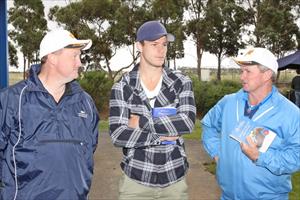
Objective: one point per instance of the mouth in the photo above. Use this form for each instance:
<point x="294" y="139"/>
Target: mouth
<point x="244" y="83"/>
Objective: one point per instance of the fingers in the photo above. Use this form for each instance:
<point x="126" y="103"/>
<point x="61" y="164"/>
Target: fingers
<point x="250" y="149"/>
<point x="216" y="159"/>
<point x="168" y="138"/>
<point x="250" y="142"/>
<point x="133" y="121"/>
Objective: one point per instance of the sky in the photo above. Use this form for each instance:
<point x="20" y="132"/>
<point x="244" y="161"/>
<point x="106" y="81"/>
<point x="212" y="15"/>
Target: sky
<point x="122" y="55"/>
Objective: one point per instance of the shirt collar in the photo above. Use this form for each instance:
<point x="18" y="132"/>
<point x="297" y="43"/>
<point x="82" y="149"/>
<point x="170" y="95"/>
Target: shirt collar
<point x="269" y="96"/>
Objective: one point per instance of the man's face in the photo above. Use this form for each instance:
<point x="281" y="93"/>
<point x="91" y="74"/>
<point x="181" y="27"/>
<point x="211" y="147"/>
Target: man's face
<point x="154" y="52"/>
<point x="253" y="78"/>
<point x="68" y="63"/>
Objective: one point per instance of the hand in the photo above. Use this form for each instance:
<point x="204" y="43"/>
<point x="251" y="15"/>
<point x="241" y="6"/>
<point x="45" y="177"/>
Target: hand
<point x="168" y="138"/>
<point x="251" y="150"/>
<point x="133" y="121"/>
<point x="216" y="159"/>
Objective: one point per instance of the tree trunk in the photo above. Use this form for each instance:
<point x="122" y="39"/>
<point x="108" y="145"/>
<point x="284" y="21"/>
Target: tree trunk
<point x="219" y="68"/>
<point x="133" y="54"/>
<point x="199" y="58"/>
<point x="175" y="67"/>
<point x="24" y="67"/>
<point x="28" y="68"/>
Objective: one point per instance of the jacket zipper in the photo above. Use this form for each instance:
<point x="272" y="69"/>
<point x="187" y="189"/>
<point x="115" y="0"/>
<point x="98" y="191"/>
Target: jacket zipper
<point x="71" y="141"/>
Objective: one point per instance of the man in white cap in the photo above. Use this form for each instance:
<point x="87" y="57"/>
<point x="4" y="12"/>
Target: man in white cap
<point x="244" y="169"/>
<point x="150" y="109"/>
<point x="49" y="126"/>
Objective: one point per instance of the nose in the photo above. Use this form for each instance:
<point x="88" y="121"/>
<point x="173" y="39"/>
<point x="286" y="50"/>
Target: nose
<point x="242" y="75"/>
<point x="78" y="62"/>
<point x="161" y="48"/>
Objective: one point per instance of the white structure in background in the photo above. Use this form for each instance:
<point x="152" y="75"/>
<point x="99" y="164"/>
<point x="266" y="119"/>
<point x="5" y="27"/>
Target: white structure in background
<point x="205" y="74"/>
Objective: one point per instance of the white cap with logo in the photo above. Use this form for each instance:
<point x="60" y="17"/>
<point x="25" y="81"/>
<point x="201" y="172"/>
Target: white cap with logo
<point x="59" y="39"/>
<point x="260" y="56"/>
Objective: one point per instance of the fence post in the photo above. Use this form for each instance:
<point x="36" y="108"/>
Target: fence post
<point x="3" y="45"/>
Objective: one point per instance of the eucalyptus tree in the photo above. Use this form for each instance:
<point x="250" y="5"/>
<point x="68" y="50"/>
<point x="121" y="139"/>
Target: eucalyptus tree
<point x="196" y="28"/>
<point x="12" y="55"/>
<point x="275" y="24"/>
<point x="109" y="23"/>
<point x="29" y="26"/>
<point x="89" y="19"/>
<point x="224" y="25"/>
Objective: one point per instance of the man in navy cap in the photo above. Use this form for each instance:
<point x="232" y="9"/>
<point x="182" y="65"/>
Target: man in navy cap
<point x="150" y="109"/>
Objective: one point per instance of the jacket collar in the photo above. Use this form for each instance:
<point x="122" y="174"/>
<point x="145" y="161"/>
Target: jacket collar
<point x="34" y="83"/>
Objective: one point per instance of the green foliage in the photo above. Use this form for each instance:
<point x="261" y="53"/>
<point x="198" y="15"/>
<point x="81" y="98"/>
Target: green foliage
<point x="27" y="18"/>
<point x="88" y="21"/>
<point x="295" y="194"/>
<point x="13" y="57"/>
<point x="225" y="20"/>
<point x="207" y="94"/>
<point x="196" y="28"/>
<point x="276" y="26"/>
<point x="103" y="125"/>
<point x="98" y="85"/>
<point x="210" y="167"/>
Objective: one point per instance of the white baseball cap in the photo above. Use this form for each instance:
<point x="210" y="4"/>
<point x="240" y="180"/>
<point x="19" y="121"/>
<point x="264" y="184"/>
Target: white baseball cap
<point x="59" y="39"/>
<point x="260" y="56"/>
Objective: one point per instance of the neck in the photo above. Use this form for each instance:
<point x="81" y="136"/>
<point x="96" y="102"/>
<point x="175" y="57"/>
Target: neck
<point x="150" y="76"/>
<point x="255" y="98"/>
<point x="54" y="87"/>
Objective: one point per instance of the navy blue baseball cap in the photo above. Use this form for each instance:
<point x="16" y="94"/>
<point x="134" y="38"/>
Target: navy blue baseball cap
<point x="153" y="30"/>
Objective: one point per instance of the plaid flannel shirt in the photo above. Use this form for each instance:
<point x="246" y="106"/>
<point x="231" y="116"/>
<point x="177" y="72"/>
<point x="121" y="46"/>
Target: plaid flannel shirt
<point x="145" y="159"/>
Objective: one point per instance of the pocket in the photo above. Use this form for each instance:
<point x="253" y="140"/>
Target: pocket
<point x="58" y="158"/>
<point x="62" y="147"/>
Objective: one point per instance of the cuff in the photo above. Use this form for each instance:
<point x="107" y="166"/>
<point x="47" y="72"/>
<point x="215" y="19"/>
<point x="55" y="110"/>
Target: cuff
<point x="156" y="140"/>
<point x="276" y="143"/>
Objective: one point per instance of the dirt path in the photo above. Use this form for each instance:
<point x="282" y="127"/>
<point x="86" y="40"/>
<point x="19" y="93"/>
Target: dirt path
<point x="202" y="185"/>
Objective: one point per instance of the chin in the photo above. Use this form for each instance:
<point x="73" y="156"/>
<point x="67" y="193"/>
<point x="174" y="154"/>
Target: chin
<point x="245" y="89"/>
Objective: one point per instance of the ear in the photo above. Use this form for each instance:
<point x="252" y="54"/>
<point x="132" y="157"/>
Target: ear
<point x="268" y="74"/>
<point x="139" y="46"/>
<point x="52" y="58"/>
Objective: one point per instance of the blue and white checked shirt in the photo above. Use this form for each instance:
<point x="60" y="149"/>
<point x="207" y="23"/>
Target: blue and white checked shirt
<point x="145" y="159"/>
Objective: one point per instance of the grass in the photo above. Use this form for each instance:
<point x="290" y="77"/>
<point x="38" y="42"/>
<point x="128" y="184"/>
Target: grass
<point x="15" y="77"/>
<point x="295" y="194"/>
<point x="196" y="134"/>
<point x="103" y="125"/>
